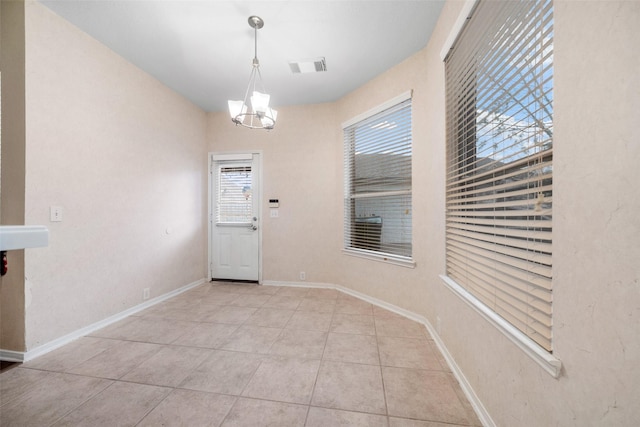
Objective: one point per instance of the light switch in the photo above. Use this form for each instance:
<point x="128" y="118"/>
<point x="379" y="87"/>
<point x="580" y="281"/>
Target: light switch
<point x="55" y="213"/>
<point x="274" y="213"/>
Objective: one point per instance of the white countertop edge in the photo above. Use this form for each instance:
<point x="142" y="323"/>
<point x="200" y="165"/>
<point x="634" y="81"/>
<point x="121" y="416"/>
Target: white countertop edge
<point x="23" y="237"/>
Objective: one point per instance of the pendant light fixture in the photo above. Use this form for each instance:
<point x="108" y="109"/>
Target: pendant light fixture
<point x="255" y="114"/>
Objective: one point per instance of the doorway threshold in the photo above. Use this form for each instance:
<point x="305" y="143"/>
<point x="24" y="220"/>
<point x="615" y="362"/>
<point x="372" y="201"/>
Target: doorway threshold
<point x="253" y="282"/>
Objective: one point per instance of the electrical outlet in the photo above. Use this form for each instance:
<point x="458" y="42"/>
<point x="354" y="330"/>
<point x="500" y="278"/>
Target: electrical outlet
<point x="146" y="293"/>
<point x="303" y="275"/>
<point x="55" y="213"/>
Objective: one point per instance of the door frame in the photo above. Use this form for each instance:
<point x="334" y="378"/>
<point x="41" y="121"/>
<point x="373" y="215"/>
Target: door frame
<point x="210" y="200"/>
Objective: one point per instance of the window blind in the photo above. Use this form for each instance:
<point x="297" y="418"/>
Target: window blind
<point x="499" y="95"/>
<point x="377" y="158"/>
<point x="234" y="190"/>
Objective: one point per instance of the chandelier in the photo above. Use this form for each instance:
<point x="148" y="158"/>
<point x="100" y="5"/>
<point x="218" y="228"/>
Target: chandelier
<point x="260" y="115"/>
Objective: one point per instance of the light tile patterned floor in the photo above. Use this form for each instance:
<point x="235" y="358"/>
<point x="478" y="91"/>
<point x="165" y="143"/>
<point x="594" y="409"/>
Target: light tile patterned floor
<point x="228" y="354"/>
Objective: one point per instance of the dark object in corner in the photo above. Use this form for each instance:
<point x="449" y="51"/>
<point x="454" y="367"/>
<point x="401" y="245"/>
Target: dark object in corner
<point x="4" y="267"/>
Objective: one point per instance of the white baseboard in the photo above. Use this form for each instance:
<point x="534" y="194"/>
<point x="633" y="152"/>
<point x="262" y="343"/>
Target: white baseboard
<point x="21" y="356"/>
<point x="298" y="284"/>
<point x="11" y="356"/>
<point x="477" y="405"/>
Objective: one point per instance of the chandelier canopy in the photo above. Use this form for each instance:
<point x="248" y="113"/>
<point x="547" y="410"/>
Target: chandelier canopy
<point x="260" y="115"/>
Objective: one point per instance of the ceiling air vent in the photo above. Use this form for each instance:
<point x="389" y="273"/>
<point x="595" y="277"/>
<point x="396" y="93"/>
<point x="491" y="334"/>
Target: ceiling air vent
<point x="315" y="65"/>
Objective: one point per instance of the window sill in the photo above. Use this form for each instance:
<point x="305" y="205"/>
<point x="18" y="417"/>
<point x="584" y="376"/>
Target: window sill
<point x="385" y="258"/>
<point x="551" y="364"/>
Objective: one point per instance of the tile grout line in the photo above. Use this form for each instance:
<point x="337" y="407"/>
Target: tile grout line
<point x="384" y="391"/>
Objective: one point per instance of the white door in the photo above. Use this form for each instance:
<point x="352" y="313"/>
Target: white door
<point x="234" y="239"/>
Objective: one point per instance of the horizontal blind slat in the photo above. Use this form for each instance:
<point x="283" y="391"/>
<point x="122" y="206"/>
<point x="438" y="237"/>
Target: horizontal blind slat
<point x="504" y="304"/>
<point x="488" y="232"/>
<point x="493" y="169"/>
<point x="529" y="250"/>
<point x="532" y="323"/>
<point x="535" y="266"/>
<point x="465" y="203"/>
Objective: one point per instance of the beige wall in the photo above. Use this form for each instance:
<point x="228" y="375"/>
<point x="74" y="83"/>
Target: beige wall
<point x="120" y="152"/>
<point x="12" y="202"/>
<point x="398" y="285"/>
<point x="125" y="158"/>
<point x="596" y="221"/>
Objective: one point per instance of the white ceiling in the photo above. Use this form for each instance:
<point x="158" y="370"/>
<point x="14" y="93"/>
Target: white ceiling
<point x="203" y="48"/>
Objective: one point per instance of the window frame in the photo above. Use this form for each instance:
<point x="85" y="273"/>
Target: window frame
<point x="348" y="218"/>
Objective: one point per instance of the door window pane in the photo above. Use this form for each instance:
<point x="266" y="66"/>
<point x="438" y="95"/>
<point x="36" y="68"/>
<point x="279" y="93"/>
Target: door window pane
<point x="234" y="194"/>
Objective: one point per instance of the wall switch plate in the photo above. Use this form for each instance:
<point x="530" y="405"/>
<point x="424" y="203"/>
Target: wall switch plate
<point x="55" y="213"/>
<point x="146" y="293"/>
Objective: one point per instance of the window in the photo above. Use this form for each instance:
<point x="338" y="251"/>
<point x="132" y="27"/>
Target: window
<point x="377" y="158"/>
<point x="234" y="203"/>
<point x="499" y="95"/>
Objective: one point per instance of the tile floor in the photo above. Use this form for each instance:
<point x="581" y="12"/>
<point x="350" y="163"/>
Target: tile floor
<point x="228" y="354"/>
